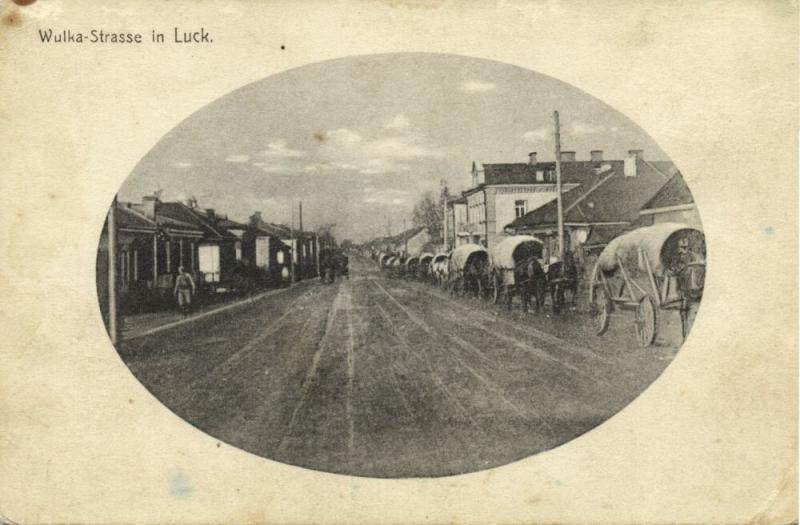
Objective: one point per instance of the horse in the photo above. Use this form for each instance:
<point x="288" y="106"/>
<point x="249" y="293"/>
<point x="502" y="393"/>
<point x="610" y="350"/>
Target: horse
<point x="535" y="284"/>
<point x="476" y="275"/>
<point x="562" y="276"/>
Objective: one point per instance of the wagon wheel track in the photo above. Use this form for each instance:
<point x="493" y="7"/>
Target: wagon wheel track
<point x="406" y="347"/>
<point x="236" y="359"/>
<point x="552" y="340"/>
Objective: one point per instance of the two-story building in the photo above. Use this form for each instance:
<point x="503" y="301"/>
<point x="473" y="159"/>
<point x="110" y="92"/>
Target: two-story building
<point x="605" y="204"/>
<point x="501" y="193"/>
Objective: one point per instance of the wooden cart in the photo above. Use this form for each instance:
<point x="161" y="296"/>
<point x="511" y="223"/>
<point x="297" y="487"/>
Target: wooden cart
<point x="660" y="267"/>
<point x="507" y="259"/>
<point x="468" y="269"/>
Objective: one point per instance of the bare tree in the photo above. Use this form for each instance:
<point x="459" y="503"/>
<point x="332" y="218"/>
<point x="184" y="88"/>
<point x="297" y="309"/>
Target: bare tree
<point x="428" y="213"/>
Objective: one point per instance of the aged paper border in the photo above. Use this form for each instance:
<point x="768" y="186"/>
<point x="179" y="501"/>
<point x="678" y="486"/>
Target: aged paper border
<point x="712" y="441"/>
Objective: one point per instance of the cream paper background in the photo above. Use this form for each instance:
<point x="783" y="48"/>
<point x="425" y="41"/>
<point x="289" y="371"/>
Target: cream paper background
<point x="713" y="440"/>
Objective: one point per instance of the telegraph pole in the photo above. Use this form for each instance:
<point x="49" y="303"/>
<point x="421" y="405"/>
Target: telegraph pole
<point x="405" y="238"/>
<point x="444" y="216"/>
<point x="301" y="253"/>
<point x="113" y="328"/>
<point x="294" y="246"/>
<point x="558" y="188"/>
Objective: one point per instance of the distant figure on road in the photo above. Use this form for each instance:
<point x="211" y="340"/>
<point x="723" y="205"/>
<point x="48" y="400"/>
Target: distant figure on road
<point x="184" y="290"/>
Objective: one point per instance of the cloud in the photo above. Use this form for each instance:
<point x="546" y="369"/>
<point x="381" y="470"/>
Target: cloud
<point x="346" y="149"/>
<point x="398" y="122"/>
<point x="277" y="158"/>
<point x="536" y="135"/>
<point x="280" y="149"/>
<point x="578" y="128"/>
<point x="183" y="165"/>
<point x="280" y="168"/>
<point x="391" y="197"/>
<point x="476" y="86"/>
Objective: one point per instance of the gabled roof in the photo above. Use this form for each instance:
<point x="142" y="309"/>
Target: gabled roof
<point x="130" y="219"/>
<point x="456" y="199"/>
<point x="674" y="193"/>
<point x="281" y="231"/>
<point x="231" y="225"/>
<point x="610" y="197"/>
<point x="408" y="234"/>
<point x="177" y="211"/>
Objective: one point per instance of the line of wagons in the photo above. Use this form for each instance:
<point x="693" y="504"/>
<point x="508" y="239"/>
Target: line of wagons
<point x="653" y="268"/>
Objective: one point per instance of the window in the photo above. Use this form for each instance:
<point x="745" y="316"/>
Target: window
<point x="520" y="208"/>
<point x="238" y="247"/>
<point x="279" y="257"/>
<point x="208" y="256"/>
<point x="262" y="252"/>
<point x="539" y="175"/>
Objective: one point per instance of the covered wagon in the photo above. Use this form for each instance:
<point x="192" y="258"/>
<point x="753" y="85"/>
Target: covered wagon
<point x="424" y="266"/>
<point x="659" y="267"/>
<point x="387" y="261"/>
<point x="411" y="265"/>
<point x="511" y="265"/>
<point x="439" y="268"/>
<point x="468" y="269"/>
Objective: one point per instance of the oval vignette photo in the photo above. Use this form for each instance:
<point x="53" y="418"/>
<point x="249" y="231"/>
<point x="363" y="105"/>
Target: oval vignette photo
<point x="401" y="265"/>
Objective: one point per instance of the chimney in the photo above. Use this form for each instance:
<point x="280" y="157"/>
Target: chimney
<point x="567" y="156"/>
<point x="255" y="218"/>
<point x="630" y="162"/>
<point x="638" y="153"/>
<point x="210" y="213"/>
<point x="532" y="157"/>
<point x="150" y="206"/>
<point x="596" y="155"/>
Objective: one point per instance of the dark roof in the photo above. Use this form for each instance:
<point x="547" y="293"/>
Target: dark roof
<point x="457" y="199"/>
<point x="408" y="234"/>
<point x="281" y="231"/>
<point x="130" y="219"/>
<point x="525" y="173"/>
<point x="231" y="225"/>
<point x="674" y="193"/>
<point x="177" y="211"/>
<point x="608" y="197"/>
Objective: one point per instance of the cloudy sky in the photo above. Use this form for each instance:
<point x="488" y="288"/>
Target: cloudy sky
<point x="359" y="139"/>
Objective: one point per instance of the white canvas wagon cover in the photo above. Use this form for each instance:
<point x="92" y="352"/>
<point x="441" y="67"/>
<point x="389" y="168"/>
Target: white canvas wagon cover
<point x="425" y="258"/>
<point x="658" y="243"/>
<point x="502" y="254"/>
<point x="460" y="256"/>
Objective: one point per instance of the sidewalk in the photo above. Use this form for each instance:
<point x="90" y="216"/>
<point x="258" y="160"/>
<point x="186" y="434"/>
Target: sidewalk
<point x="140" y="325"/>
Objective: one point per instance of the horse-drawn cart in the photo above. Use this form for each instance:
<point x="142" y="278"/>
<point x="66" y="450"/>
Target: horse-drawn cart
<point x="468" y="269"/>
<point x="424" y="266"/>
<point x="410" y="267"/>
<point x="439" y="266"/>
<point x="660" y="267"/>
<point x="511" y="262"/>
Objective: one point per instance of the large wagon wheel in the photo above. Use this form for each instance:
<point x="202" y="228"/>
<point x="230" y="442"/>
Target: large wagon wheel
<point x="496" y="288"/>
<point x="600" y="311"/>
<point x="646" y="321"/>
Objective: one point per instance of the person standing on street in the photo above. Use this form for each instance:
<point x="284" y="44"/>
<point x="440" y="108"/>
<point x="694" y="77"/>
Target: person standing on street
<point x="184" y="290"/>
